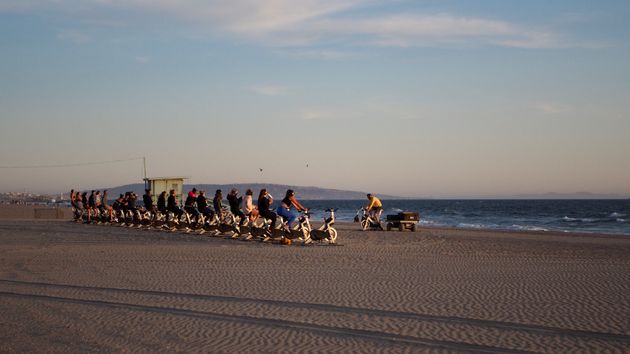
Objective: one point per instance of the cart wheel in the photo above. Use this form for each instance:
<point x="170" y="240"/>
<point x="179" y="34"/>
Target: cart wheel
<point x="401" y="227"/>
<point x="413" y="227"/>
<point x="389" y="226"/>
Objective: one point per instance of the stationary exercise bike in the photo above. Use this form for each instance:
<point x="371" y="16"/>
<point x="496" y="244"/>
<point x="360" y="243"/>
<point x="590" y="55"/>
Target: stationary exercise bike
<point x="368" y="222"/>
<point x="325" y="232"/>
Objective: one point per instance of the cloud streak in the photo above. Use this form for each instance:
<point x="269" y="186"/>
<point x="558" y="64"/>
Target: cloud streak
<point x="269" y="90"/>
<point x="74" y="36"/>
<point x="309" y="22"/>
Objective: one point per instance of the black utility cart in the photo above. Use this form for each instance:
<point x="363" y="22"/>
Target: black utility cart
<point x="403" y="220"/>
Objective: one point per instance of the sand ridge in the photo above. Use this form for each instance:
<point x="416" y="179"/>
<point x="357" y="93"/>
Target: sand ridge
<point x="107" y="288"/>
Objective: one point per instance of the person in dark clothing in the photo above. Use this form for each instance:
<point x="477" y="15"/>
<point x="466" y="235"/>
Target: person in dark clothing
<point x="217" y="203"/>
<point x="161" y="203"/>
<point x="86" y="206"/>
<point x="264" y="203"/>
<point x="91" y="209"/>
<point x="147" y="199"/>
<point x="172" y="206"/>
<point x="131" y="202"/>
<point x="125" y="203"/>
<point x="190" y="204"/>
<point x="91" y="200"/>
<point x="235" y="205"/>
<point x="118" y="205"/>
<point x="202" y="205"/>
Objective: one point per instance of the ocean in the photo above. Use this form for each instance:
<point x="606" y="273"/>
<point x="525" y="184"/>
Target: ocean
<point x="587" y="216"/>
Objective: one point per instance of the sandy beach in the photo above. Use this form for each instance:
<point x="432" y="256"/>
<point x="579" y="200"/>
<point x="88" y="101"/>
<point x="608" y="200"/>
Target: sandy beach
<point x="67" y="287"/>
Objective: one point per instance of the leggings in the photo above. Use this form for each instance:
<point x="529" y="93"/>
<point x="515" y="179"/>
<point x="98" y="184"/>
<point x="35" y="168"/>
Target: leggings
<point x="286" y="214"/>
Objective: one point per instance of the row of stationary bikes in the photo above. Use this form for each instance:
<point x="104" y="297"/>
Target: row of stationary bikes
<point x="228" y="225"/>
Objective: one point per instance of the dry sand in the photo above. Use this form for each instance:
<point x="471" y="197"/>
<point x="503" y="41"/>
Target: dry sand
<point x="67" y="287"/>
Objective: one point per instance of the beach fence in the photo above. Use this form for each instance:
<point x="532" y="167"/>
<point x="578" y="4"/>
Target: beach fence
<point x="22" y="212"/>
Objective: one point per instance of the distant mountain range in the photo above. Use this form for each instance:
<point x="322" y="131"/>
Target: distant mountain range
<point x="276" y="190"/>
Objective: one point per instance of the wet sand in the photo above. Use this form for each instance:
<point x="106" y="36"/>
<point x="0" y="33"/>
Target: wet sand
<point x="68" y="287"/>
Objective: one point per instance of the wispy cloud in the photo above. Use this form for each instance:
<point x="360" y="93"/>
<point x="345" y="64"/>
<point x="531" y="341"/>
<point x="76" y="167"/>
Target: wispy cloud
<point x="552" y="107"/>
<point x="317" y="115"/>
<point x="142" y="59"/>
<point x="308" y="22"/>
<point x="74" y="36"/>
<point x="319" y="54"/>
<point x="270" y="90"/>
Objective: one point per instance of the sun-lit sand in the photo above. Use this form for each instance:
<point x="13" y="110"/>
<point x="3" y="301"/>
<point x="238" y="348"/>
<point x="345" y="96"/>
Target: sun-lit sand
<point x="71" y="287"/>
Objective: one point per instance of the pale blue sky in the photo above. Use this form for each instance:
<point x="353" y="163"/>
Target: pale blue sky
<point x="419" y="98"/>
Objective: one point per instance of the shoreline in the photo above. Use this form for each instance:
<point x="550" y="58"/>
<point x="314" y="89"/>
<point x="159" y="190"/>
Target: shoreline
<point x="350" y="225"/>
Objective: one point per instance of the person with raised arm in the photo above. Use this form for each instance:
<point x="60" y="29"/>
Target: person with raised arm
<point x="264" y="203"/>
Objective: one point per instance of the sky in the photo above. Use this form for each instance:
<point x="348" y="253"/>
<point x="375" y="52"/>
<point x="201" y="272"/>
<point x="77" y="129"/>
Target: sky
<point x="439" y="99"/>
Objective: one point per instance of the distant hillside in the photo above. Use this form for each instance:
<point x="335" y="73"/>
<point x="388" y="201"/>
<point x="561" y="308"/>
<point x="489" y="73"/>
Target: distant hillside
<point x="276" y="190"/>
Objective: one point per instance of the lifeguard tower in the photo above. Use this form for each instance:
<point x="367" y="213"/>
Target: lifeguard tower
<point x="158" y="185"/>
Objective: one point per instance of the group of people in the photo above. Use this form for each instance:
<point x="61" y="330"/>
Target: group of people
<point x="197" y="203"/>
<point x="91" y="205"/>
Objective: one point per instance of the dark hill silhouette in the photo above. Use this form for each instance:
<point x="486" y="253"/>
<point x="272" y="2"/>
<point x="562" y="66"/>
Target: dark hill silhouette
<point x="276" y="190"/>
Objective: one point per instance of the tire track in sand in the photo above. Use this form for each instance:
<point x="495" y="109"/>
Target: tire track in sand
<point x="239" y="308"/>
<point x="334" y="331"/>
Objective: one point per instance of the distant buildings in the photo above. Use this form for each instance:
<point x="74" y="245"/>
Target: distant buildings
<point x="21" y="198"/>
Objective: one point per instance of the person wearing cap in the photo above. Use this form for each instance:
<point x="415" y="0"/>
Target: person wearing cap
<point x="190" y="204"/>
<point x="374" y="207"/>
<point x="284" y="209"/>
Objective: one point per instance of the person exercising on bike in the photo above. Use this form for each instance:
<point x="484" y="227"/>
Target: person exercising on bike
<point x="374" y="208"/>
<point x="284" y="209"/>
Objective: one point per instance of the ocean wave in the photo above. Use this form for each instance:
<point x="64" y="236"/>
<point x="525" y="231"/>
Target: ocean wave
<point x="621" y="220"/>
<point x="616" y="215"/>
<point x="584" y="220"/>
<point x="464" y="225"/>
<point x="528" y="228"/>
